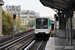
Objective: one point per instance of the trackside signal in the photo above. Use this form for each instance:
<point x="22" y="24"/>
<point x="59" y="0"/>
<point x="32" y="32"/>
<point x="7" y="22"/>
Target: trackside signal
<point x="56" y="17"/>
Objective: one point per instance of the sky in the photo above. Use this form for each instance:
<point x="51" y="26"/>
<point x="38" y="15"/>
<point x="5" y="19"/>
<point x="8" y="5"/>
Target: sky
<point x="34" y="5"/>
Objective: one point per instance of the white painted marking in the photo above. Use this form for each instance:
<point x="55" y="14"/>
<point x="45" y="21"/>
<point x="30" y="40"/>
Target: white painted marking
<point x="29" y="46"/>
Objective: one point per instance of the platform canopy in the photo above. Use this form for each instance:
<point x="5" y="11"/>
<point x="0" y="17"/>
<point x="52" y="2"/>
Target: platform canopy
<point x="61" y="5"/>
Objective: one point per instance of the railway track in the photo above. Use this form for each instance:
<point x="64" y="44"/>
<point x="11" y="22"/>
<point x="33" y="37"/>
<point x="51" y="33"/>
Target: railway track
<point x="36" y="45"/>
<point x="18" y="43"/>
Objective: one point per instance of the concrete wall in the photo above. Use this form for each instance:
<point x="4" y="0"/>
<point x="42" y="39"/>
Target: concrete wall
<point x="0" y="20"/>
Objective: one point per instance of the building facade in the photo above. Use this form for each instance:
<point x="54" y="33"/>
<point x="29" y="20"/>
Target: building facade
<point x="13" y="10"/>
<point x="27" y="15"/>
<point x="37" y="14"/>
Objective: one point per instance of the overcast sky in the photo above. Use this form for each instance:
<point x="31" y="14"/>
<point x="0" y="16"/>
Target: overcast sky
<point x="34" y="5"/>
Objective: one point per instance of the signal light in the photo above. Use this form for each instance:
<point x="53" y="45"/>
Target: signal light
<point x="14" y="16"/>
<point x="55" y="16"/>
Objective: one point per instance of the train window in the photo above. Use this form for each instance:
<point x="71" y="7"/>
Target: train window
<point x="38" y="21"/>
<point x="41" y="23"/>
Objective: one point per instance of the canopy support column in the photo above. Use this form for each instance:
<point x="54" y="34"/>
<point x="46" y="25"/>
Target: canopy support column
<point x="67" y="32"/>
<point x="71" y="29"/>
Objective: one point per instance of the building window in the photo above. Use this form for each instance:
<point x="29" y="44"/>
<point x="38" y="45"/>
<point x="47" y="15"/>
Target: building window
<point x="15" y="12"/>
<point x="32" y="17"/>
<point x="25" y="16"/>
<point x="6" y="6"/>
<point x="13" y="9"/>
<point x="10" y="7"/>
<point x="19" y="13"/>
<point x="16" y="7"/>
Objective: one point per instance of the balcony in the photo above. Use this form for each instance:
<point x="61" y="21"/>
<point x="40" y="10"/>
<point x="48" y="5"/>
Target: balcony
<point x="1" y="2"/>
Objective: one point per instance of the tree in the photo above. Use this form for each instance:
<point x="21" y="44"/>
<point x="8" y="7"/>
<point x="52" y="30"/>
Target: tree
<point x="30" y="23"/>
<point x="23" y="28"/>
<point x="7" y="23"/>
<point x="18" y="21"/>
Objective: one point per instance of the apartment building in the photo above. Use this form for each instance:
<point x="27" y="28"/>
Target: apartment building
<point x="13" y="9"/>
<point x="27" y="15"/>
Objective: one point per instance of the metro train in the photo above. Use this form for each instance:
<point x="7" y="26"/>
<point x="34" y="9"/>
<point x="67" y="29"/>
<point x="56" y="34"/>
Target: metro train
<point x="42" y="28"/>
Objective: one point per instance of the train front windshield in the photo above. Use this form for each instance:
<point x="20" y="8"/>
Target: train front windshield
<point x="41" y="23"/>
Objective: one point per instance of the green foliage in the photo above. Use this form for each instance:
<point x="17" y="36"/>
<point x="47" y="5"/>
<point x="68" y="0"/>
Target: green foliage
<point x="3" y="12"/>
<point x="30" y="23"/>
<point x="7" y="23"/>
<point x="18" y="21"/>
<point x="23" y="28"/>
<point x="7" y="26"/>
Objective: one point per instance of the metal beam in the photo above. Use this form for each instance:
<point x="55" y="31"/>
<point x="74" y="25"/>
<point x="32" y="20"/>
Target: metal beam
<point x="60" y="3"/>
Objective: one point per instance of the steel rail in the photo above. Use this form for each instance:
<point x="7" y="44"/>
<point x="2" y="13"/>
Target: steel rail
<point x="25" y="44"/>
<point x="36" y="45"/>
<point x="14" y="41"/>
<point x="40" y="45"/>
<point x="18" y="42"/>
<point x="29" y="46"/>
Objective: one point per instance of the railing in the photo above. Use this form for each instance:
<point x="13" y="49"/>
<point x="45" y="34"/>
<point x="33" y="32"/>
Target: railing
<point x="23" y="35"/>
<point x="9" y="37"/>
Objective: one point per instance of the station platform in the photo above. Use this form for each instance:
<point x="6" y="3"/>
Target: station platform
<point x="56" y="43"/>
